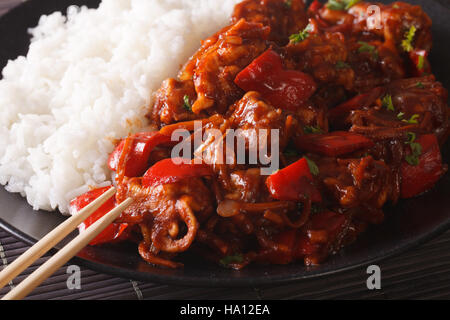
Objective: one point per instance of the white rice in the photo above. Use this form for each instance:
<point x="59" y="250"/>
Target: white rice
<point x="87" y="79"/>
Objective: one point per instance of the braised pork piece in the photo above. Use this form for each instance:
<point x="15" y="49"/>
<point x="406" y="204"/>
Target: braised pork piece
<point x="361" y="121"/>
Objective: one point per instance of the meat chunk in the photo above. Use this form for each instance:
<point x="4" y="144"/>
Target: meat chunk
<point x="339" y="61"/>
<point x="426" y="98"/>
<point x="415" y="104"/>
<point x="374" y="64"/>
<point x="283" y="17"/>
<point x="251" y="134"/>
<point x="168" y="216"/>
<point x="321" y="55"/>
<point x="356" y="183"/>
<point x="246" y="186"/>
<point x="151" y="202"/>
<point x="214" y="67"/>
<point x="173" y="102"/>
<point x="383" y="51"/>
<point x="253" y="113"/>
<point x="396" y="19"/>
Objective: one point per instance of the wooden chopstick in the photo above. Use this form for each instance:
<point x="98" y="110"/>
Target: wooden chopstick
<point x="65" y="254"/>
<point x="51" y="239"/>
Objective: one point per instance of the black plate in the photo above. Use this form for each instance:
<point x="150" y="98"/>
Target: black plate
<point x="408" y="224"/>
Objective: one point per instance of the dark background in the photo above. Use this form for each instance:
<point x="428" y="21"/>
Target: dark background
<point x="421" y="273"/>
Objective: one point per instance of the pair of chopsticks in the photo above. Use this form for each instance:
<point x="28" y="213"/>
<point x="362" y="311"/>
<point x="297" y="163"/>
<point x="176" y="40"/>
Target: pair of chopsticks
<point x="63" y="255"/>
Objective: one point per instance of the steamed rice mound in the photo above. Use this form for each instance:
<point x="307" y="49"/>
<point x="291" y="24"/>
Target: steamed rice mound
<point x="88" y="79"/>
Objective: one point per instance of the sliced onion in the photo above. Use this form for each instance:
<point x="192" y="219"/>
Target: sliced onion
<point x="228" y="208"/>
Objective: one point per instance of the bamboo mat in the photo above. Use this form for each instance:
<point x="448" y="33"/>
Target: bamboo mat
<point x="421" y="273"/>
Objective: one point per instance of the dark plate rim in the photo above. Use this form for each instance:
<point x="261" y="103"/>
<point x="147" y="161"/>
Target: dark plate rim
<point x="234" y="282"/>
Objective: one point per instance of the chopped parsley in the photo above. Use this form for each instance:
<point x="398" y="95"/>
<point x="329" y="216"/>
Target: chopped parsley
<point x="302" y="35"/>
<point x="416" y="149"/>
<point x="420" y="85"/>
<point x="342" y="65"/>
<point x="365" y="47"/>
<point x="409" y="37"/>
<point x="420" y="63"/>
<point x="187" y="104"/>
<point x="411" y="137"/>
<point x="312" y="130"/>
<point x="413" y="119"/>
<point x="351" y="3"/>
<point x="288" y="3"/>
<point x="312" y="166"/>
<point x="387" y="102"/>
<point x="236" y="258"/>
<point x="341" y="4"/>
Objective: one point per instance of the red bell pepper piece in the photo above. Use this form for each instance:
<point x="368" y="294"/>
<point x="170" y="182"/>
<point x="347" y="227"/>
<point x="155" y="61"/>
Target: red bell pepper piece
<point x="293" y="182"/>
<point x="169" y="171"/>
<point x="420" y="62"/>
<point x="315" y="6"/>
<point x="113" y="232"/>
<point x="286" y="89"/>
<point x="333" y="144"/>
<point x="340" y="112"/>
<point x="345" y="108"/>
<point x="420" y="178"/>
<point x="137" y="160"/>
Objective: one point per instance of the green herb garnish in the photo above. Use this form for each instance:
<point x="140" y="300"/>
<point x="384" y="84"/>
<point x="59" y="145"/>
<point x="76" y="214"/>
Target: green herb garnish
<point x="351" y="3"/>
<point x="187" y="104"/>
<point x="341" y="4"/>
<point x="312" y="130"/>
<point x="411" y="137"/>
<point x="387" y="102"/>
<point x="409" y="37"/>
<point x="288" y="3"/>
<point x="302" y="35"/>
<point x="420" y="63"/>
<point x="236" y="258"/>
<point x="413" y="119"/>
<point x="342" y="65"/>
<point x="420" y="85"/>
<point x="416" y="149"/>
<point x="365" y="47"/>
<point x="312" y="166"/>
<point x="335" y="5"/>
